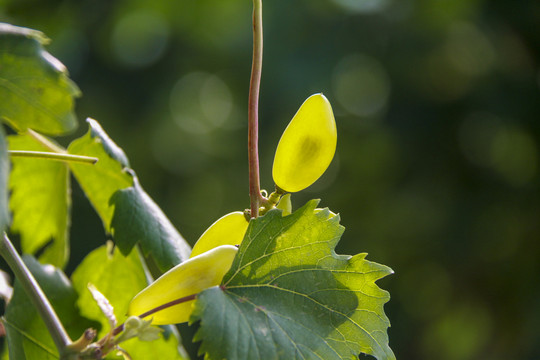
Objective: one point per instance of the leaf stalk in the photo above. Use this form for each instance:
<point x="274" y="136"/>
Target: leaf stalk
<point x="53" y="156"/>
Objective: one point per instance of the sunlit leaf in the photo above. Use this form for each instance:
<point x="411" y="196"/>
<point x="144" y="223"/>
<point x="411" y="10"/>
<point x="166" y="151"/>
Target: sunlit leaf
<point x="27" y="335"/>
<point x="119" y="279"/>
<point x="289" y="296"/>
<point x="137" y="219"/>
<point x="35" y="89"/>
<point x="40" y="201"/>
<point x="100" y="181"/>
<point x="4" y="176"/>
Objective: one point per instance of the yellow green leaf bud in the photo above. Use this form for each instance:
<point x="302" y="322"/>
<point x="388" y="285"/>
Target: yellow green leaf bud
<point x="285" y="205"/>
<point x="307" y="145"/>
<point x="227" y="230"/>
<point x="188" y="278"/>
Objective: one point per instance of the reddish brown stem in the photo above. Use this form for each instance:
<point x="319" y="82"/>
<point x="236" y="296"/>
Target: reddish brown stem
<point x="253" y="110"/>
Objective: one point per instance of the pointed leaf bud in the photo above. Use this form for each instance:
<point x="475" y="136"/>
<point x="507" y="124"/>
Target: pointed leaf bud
<point x="307" y="145"/>
<point x="227" y="230"/>
<point x="188" y="278"/>
<point x="285" y="205"/>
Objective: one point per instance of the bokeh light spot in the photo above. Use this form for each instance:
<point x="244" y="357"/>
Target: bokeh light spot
<point x="363" y="6"/>
<point x="200" y="102"/>
<point x="514" y="155"/>
<point x="469" y="50"/>
<point x="179" y="152"/>
<point x="139" y="39"/>
<point x="504" y="147"/>
<point x="361" y="85"/>
<point x="432" y="291"/>
<point x="459" y="334"/>
<point x="476" y="134"/>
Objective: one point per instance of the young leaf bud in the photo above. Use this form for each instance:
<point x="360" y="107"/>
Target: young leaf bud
<point x="307" y="145"/>
<point x="188" y="278"/>
<point x="227" y="230"/>
<point x="285" y="205"/>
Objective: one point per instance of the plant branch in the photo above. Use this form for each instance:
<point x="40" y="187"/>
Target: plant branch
<point x="54" y="156"/>
<point x="37" y="296"/>
<point x="253" y="110"/>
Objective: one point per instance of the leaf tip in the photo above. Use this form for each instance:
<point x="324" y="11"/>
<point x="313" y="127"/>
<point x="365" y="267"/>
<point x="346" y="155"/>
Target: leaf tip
<point x="110" y="147"/>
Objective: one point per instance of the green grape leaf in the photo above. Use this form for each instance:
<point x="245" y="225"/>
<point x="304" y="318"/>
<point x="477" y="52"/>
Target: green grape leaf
<point x="35" y="89"/>
<point x="100" y="181"/>
<point x="289" y="296"/>
<point x="27" y="335"/>
<point x="4" y="178"/>
<point x="40" y="202"/>
<point x="137" y="219"/>
<point x="119" y="279"/>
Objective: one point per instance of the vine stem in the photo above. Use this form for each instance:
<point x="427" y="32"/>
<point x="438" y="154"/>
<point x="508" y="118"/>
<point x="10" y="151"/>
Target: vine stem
<point x="253" y="111"/>
<point x="37" y="296"/>
<point x="53" y="156"/>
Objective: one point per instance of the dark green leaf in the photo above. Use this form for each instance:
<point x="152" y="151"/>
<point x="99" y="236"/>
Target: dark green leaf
<point x="137" y="219"/>
<point x="35" y="89"/>
<point x="119" y="279"/>
<point x="289" y="296"/>
<point x="40" y="202"/>
<point x="107" y="176"/>
<point x="27" y="335"/>
<point x="4" y="176"/>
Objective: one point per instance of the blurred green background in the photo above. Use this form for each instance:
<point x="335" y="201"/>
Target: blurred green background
<point x="437" y="169"/>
